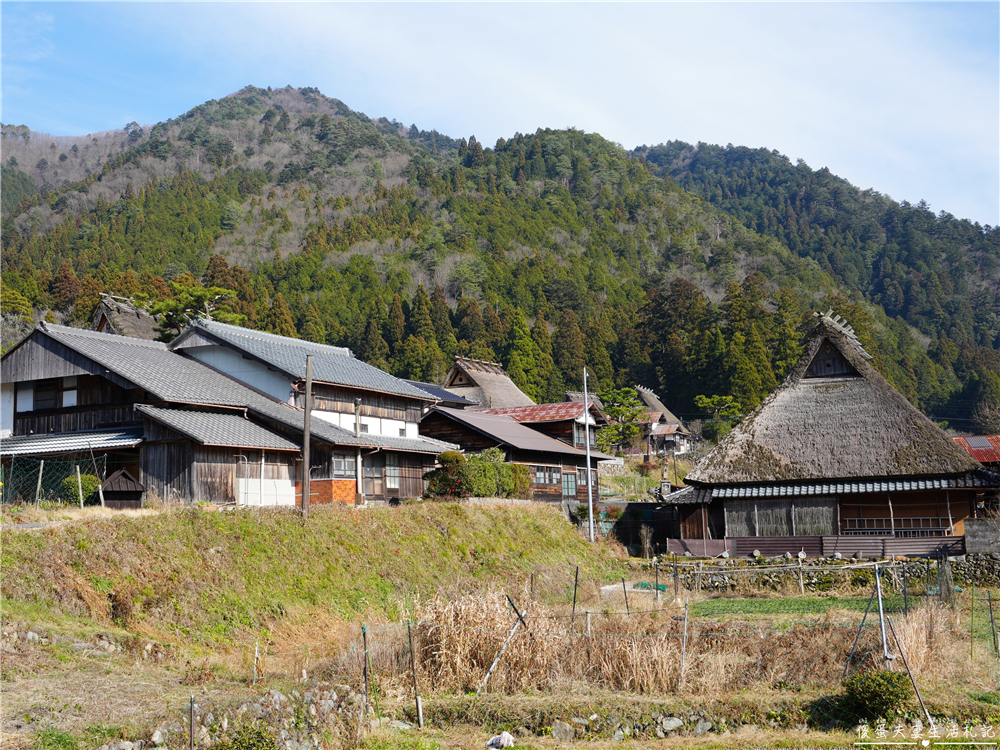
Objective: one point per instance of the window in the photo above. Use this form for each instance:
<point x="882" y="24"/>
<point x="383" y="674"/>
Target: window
<point x="46" y="394"/>
<point x="364" y="427"/>
<point x="402" y="432"/>
<point x="547" y="474"/>
<point x="343" y="466"/>
<point x="569" y="484"/>
<point x="581" y="477"/>
<point x="581" y="433"/>
<point x="392" y="471"/>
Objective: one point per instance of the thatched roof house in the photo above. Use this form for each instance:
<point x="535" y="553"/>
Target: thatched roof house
<point x="834" y="451"/>
<point x="122" y="317"/>
<point x="486" y="383"/>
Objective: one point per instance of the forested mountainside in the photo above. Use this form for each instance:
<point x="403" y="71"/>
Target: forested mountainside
<point x="543" y="252"/>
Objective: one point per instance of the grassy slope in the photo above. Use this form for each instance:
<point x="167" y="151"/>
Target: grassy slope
<point x="211" y="578"/>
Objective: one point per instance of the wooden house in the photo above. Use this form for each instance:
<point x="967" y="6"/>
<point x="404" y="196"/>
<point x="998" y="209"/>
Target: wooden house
<point x="834" y="460"/>
<point x="558" y="470"/>
<point x="486" y="383"/>
<point x="564" y="421"/>
<point x="216" y="415"/>
<point x="664" y="433"/>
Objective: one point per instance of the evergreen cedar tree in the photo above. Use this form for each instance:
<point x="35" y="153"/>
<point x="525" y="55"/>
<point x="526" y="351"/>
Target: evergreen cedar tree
<point x="569" y="251"/>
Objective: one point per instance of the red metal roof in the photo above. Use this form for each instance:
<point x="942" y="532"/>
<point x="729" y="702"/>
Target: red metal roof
<point x="984" y="448"/>
<point x="540" y="412"/>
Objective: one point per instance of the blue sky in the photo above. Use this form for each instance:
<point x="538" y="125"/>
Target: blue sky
<point x="900" y="97"/>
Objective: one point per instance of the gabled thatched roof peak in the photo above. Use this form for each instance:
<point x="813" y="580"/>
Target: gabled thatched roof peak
<point x="849" y="425"/>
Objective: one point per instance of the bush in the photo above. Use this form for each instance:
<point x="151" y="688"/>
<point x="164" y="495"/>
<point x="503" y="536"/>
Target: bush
<point x="878" y="694"/>
<point x="253" y="736"/>
<point x="446" y="482"/>
<point x="71" y="492"/>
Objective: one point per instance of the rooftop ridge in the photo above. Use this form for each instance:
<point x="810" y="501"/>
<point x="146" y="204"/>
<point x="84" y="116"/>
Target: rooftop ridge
<point x="841" y="325"/>
<point x="208" y="324"/>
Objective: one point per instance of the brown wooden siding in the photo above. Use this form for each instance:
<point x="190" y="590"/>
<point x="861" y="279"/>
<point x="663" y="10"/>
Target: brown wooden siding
<point x="332" y="398"/>
<point x="41" y="358"/>
<point x="440" y="427"/>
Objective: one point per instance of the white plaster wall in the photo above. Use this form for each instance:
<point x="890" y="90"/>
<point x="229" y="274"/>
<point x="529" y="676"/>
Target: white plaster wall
<point x="6" y="409"/>
<point x="245" y="370"/>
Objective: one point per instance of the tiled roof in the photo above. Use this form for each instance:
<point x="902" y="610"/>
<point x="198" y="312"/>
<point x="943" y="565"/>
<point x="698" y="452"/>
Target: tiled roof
<point x="541" y="412"/>
<point x="506" y="430"/>
<point x="984" y="448"/>
<point x="980" y="479"/>
<point x="218" y="429"/>
<point x="331" y="364"/>
<point x="171" y="377"/>
<point x="70" y="442"/>
<point x="440" y="394"/>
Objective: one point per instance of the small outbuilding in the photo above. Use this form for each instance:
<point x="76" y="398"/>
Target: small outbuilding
<point x="122" y="490"/>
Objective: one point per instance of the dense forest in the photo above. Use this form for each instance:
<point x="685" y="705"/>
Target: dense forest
<point x="691" y="270"/>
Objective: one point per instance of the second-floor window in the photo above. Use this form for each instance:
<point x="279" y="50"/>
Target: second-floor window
<point x="580" y="435"/>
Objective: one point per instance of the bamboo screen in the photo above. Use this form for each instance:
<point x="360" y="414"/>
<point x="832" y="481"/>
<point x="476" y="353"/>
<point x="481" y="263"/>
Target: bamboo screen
<point x="813" y="516"/>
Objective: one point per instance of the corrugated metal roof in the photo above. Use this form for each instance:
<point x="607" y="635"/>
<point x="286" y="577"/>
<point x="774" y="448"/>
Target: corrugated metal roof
<point x="70" y="442"/>
<point x="331" y="364"/>
<point x="559" y="412"/>
<point x="848" y="488"/>
<point x="218" y="429"/>
<point x="984" y="448"/>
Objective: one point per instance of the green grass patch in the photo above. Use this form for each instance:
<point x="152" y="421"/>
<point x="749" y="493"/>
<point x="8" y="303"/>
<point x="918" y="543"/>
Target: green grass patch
<point x="211" y="577"/>
<point x="51" y="738"/>
<point x="796" y="606"/>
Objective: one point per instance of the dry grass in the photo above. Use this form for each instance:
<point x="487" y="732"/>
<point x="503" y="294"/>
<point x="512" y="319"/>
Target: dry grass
<point x="15" y="515"/>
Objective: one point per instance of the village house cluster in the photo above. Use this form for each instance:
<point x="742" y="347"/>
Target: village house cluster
<point x="834" y="460"/>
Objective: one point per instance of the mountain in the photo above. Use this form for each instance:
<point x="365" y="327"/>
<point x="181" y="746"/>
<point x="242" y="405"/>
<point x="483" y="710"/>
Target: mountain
<point x="542" y="251"/>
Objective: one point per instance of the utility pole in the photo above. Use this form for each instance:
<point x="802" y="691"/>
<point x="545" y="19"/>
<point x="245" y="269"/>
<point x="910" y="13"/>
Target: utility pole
<point x="586" y="442"/>
<point x="307" y="437"/>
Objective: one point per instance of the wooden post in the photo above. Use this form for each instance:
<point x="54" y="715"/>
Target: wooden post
<point x="532" y="585"/>
<point x="576" y="581"/>
<point x="625" y="591"/>
<point x="684" y="643"/>
<point x="496" y="661"/>
<point x="906" y="595"/>
<point x="413" y="669"/>
<point x="892" y="517"/>
<point x="677" y="582"/>
<point x="100" y="490"/>
<point x="588" y="638"/>
<point x="701" y="565"/>
<point x="881" y="615"/>
<point x="656" y="582"/>
<point x="802" y="584"/>
<point x="191" y="724"/>
<point x="307" y="438"/>
<point x="79" y="485"/>
<point x="951" y="523"/>
<point x="38" y="489"/>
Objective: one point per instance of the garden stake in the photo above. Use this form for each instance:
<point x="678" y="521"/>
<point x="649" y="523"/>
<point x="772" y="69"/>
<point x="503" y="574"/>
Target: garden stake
<point x="684" y="644"/>
<point x="413" y="669"/>
<point x="364" y="670"/>
<point x="656" y="581"/>
<point x="497" y="660"/>
<point x="38" y="490"/>
<point x="858" y="636"/>
<point x="532" y="586"/>
<point x="972" y="624"/>
<point x="906" y="596"/>
<point x="677" y="585"/>
<point x="628" y="612"/>
<point x="881" y="616"/>
<point x="191" y="724"/>
<point x="576" y="580"/>
<point x="915" y="688"/>
<point x="993" y="625"/>
<point x="79" y="485"/>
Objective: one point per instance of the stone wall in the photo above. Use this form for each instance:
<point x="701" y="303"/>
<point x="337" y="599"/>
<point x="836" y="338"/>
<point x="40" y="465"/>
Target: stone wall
<point x="982" y="536"/>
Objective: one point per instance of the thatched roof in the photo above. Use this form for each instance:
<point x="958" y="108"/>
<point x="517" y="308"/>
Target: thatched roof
<point x="484" y="382"/>
<point x="653" y="403"/>
<point x="834" y="417"/>
<point x="120" y="316"/>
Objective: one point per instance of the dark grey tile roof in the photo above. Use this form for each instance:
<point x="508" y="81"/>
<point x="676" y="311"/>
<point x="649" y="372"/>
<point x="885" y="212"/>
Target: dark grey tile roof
<point x="978" y="479"/>
<point x="218" y="429"/>
<point x="505" y="430"/>
<point x="172" y="377"/>
<point x="70" y="442"/>
<point x="440" y="394"/>
<point x="331" y="364"/>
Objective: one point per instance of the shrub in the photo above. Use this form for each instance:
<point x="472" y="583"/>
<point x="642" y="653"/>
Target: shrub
<point x="71" y="492"/>
<point x="878" y="694"/>
<point x="253" y="736"/>
<point x="446" y="482"/>
<point x="646" y="468"/>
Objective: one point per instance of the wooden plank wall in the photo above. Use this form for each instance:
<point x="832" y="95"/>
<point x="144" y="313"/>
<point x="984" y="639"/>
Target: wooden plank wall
<point x="331" y="398"/>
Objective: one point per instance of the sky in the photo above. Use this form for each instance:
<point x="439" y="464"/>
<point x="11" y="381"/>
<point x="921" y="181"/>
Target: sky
<point x="896" y="96"/>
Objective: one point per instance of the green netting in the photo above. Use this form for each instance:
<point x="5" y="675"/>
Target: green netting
<point x="34" y="480"/>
